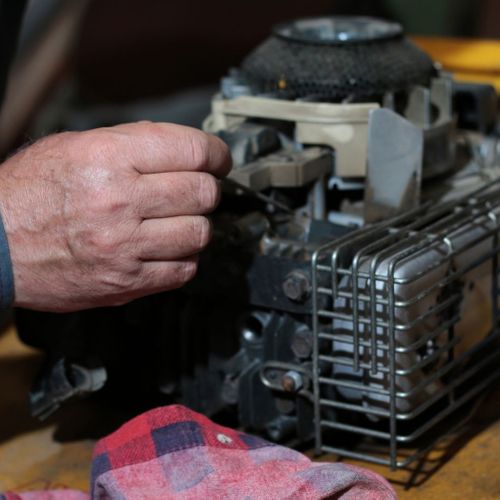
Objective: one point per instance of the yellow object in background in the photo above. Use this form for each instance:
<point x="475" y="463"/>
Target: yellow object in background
<point x="468" y="59"/>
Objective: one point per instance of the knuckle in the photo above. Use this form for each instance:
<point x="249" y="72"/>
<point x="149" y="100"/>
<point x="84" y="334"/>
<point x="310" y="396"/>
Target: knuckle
<point x="208" y="192"/>
<point x="111" y="280"/>
<point x="99" y="144"/>
<point x="145" y="122"/>
<point x="117" y="280"/>
<point x="147" y="128"/>
<point x="109" y="208"/>
<point x="101" y="244"/>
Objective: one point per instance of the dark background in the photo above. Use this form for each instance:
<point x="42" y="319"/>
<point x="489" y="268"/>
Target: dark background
<point x="131" y="48"/>
<point x="84" y="63"/>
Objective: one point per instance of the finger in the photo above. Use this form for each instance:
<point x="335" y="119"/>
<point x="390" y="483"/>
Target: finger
<point x="162" y="276"/>
<point x="165" y="147"/>
<point x="176" y="193"/>
<point x="172" y="238"/>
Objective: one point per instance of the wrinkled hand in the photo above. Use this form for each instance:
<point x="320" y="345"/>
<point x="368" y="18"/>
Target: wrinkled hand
<point x="105" y="216"/>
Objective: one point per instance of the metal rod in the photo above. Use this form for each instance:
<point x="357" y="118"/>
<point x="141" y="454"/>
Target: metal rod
<point x="260" y="196"/>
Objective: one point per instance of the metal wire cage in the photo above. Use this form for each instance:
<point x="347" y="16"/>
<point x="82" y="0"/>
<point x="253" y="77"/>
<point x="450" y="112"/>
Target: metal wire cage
<point x="405" y="320"/>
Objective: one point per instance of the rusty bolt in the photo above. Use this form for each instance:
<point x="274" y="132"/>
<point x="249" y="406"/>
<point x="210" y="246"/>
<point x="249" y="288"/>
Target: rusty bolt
<point x="296" y="286"/>
<point x="292" y="381"/>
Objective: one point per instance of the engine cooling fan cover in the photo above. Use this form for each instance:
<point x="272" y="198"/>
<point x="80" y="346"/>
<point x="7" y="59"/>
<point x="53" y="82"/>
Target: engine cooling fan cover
<point x="336" y="58"/>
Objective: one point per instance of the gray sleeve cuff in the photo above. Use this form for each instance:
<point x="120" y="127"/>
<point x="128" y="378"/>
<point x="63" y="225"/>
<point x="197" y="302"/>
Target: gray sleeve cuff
<point x="6" y="273"/>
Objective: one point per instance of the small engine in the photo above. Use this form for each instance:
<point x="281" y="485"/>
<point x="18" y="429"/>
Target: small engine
<point x="351" y="288"/>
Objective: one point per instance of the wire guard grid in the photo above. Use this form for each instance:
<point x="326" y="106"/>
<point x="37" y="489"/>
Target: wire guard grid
<point x="405" y="317"/>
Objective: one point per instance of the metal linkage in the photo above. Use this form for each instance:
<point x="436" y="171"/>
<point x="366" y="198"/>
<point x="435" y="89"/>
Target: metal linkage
<point x="394" y="353"/>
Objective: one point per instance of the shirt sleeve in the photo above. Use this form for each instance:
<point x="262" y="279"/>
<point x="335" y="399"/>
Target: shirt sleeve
<point x="6" y="272"/>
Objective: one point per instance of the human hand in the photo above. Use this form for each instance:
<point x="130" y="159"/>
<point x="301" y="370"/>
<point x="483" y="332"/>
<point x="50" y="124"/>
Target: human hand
<point x="101" y="217"/>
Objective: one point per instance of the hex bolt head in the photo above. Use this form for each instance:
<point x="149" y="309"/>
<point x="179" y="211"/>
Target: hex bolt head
<point x="302" y="344"/>
<point x="292" y="381"/>
<point x="297" y="286"/>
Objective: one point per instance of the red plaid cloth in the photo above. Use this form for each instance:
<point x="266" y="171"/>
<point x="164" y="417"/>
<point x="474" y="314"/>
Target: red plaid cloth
<point x="173" y="452"/>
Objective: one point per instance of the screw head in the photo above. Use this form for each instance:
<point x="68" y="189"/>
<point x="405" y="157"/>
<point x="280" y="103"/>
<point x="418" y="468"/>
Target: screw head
<point x="296" y="286"/>
<point x="302" y="344"/>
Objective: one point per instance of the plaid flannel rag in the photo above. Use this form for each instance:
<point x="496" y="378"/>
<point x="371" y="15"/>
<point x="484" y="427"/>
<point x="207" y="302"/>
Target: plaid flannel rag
<point x="173" y="452"/>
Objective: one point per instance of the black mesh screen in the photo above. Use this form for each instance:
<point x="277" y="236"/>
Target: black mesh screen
<point x="358" y="71"/>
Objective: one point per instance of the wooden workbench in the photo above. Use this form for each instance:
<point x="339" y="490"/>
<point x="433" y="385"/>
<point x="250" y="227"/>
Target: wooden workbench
<point x="57" y="453"/>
